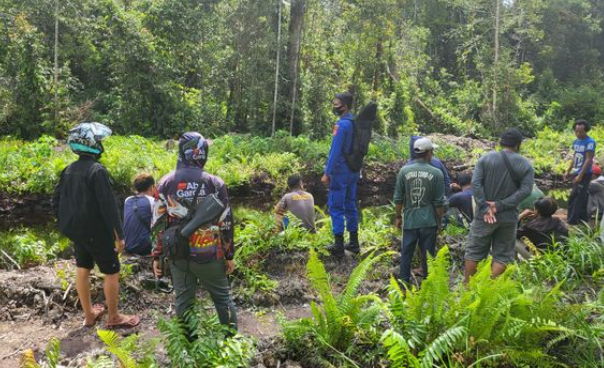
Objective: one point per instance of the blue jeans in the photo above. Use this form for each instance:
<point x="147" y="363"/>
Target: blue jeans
<point x="426" y="237"/>
<point x="342" y="202"/>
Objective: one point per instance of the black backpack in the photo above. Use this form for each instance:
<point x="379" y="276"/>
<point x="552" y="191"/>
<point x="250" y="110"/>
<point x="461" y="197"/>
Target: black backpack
<point x="363" y="127"/>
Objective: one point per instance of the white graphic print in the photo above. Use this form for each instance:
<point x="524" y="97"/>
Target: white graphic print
<point x="417" y="192"/>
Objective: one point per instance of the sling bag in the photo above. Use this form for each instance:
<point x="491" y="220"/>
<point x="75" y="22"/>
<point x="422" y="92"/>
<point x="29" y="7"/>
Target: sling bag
<point x="515" y="178"/>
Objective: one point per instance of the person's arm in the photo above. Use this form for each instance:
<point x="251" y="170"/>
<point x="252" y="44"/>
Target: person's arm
<point x="439" y="201"/>
<point x="589" y="156"/>
<point x="226" y="226"/>
<point x="446" y="177"/>
<point x="106" y="201"/>
<point x="526" y="187"/>
<point x="336" y="149"/>
<point x="399" y="199"/>
<point x="56" y="196"/>
<point x="478" y="189"/>
<point x="280" y="210"/>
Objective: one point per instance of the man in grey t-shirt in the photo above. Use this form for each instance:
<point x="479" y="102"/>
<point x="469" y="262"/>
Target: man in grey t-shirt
<point x="498" y="190"/>
<point x="297" y="202"/>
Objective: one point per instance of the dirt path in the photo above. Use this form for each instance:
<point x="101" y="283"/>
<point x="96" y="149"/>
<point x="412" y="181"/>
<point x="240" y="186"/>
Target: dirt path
<point x="80" y="343"/>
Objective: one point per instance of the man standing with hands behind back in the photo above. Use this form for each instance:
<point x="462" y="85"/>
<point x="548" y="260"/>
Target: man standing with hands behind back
<point x="341" y="180"/>
<point x="500" y="182"/>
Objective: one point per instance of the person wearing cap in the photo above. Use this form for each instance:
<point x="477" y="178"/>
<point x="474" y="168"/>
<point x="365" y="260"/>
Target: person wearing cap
<point x="500" y="182"/>
<point x="298" y="203"/>
<point x="419" y="197"/>
<point x="433" y="161"/>
<point x="87" y="213"/>
<point x="211" y="248"/>
<point x="580" y="172"/>
<point x="342" y="181"/>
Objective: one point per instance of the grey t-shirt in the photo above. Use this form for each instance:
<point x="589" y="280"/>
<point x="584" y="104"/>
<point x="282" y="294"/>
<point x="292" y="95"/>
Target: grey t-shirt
<point x="300" y="204"/>
<point x="492" y="182"/>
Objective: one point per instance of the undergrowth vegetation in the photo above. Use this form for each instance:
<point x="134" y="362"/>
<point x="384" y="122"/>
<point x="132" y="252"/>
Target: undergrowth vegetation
<point x="546" y="312"/>
<point x="34" y="167"/>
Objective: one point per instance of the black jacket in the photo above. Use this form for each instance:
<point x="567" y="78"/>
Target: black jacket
<point x="84" y="203"/>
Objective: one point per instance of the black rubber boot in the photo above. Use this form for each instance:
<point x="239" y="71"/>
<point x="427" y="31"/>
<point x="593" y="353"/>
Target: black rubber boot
<point x="353" y="243"/>
<point x="337" y="249"/>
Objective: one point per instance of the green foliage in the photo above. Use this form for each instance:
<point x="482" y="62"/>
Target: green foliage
<point x="53" y="354"/>
<point x="214" y="346"/>
<point x="340" y="322"/>
<point x="489" y="319"/>
<point x="30" y="247"/>
<point x="128" y="352"/>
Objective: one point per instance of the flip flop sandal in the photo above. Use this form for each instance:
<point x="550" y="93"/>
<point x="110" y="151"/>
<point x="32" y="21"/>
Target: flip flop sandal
<point x="100" y="308"/>
<point x="130" y="322"/>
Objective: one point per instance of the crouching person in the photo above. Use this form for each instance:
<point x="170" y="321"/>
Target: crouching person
<point x="208" y="259"/>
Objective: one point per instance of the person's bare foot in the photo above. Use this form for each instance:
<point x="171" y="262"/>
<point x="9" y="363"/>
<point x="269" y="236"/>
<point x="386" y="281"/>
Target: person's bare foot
<point x="123" y="320"/>
<point x="97" y="312"/>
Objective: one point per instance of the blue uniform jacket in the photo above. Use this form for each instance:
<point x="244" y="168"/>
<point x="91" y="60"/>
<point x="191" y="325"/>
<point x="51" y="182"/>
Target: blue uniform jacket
<point x="340" y="145"/>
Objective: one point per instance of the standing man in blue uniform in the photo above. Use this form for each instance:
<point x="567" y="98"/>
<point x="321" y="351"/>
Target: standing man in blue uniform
<point x="341" y="180"/>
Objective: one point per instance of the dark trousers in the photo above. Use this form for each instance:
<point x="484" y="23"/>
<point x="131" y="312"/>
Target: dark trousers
<point x="426" y="237"/>
<point x="577" y="202"/>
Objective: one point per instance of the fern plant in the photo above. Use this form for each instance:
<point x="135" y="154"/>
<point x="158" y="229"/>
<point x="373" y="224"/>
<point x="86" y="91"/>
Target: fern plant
<point x="493" y="320"/>
<point x="127" y="351"/>
<point x="200" y="341"/>
<point x="340" y="322"/>
<point x="53" y="354"/>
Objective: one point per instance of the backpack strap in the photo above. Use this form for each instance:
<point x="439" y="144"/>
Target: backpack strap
<point x="138" y="215"/>
<point x="515" y="178"/>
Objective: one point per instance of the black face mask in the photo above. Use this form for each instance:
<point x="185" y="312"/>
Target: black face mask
<point x="338" y="110"/>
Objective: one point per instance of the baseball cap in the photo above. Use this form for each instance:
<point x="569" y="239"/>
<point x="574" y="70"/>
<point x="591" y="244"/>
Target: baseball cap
<point x="423" y="145"/>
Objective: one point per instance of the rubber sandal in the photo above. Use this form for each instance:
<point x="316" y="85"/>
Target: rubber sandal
<point x="131" y="321"/>
<point x="100" y="308"/>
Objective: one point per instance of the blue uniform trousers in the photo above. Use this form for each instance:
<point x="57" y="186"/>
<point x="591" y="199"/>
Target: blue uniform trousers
<point x="342" y="202"/>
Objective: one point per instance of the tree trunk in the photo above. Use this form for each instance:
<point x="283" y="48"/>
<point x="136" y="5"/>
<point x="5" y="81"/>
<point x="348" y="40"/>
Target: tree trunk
<point x="496" y="60"/>
<point x="378" y="67"/>
<point x="277" y="71"/>
<point x="56" y="65"/>
<point x="296" y="20"/>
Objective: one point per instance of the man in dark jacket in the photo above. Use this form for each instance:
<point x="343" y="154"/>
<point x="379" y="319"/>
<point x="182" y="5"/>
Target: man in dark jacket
<point x="85" y="206"/>
<point x="341" y="180"/>
<point x="211" y="248"/>
<point x="498" y="190"/>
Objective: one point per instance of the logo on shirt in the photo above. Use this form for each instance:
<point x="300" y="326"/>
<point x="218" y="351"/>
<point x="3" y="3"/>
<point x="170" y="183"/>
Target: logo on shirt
<point x="187" y="190"/>
<point x="417" y="192"/>
<point x="335" y="130"/>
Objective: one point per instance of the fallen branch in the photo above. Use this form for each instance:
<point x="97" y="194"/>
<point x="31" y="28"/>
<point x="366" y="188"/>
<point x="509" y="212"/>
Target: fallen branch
<point x="18" y="351"/>
<point x="11" y="259"/>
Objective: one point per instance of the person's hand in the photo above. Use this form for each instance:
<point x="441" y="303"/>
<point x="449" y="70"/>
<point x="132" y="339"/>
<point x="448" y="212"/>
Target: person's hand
<point x="157" y="269"/>
<point x="492" y="207"/>
<point x="527" y="214"/>
<point x="230" y="266"/>
<point x="490" y="217"/>
<point x="120" y="244"/>
<point x="564" y="176"/>
<point x="398" y="223"/>
<point x="577" y="180"/>
<point x="325" y="179"/>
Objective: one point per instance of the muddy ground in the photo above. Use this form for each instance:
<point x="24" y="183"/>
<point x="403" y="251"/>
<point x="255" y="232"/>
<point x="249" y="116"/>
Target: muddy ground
<point x="40" y="303"/>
